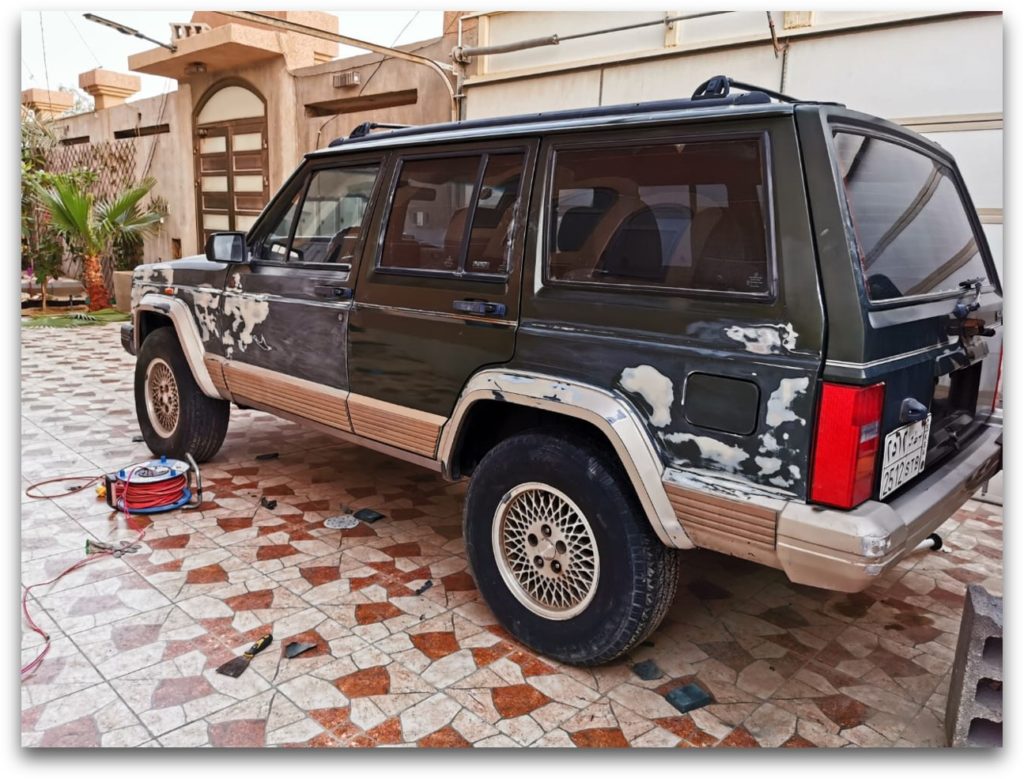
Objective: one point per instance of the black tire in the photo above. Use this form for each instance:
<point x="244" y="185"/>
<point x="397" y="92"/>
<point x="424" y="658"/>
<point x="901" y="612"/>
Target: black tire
<point x="201" y="422"/>
<point x="637" y="576"/>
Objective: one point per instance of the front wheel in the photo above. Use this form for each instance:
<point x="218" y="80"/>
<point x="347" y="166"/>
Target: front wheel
<point x="562" y="551"/>
<point x="175" y="417"/>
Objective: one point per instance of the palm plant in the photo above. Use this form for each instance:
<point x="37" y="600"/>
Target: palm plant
<point x="92" y="228"/>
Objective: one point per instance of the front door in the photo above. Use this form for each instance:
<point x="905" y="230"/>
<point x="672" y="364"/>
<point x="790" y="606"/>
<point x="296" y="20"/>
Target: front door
<point x="283" y="319"/>
<point x="231" y="161"/>
<point x="439" y="298"/>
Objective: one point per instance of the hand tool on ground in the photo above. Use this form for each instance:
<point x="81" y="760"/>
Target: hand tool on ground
<point x="235" y="666"/>
<point x="296" y="648"/>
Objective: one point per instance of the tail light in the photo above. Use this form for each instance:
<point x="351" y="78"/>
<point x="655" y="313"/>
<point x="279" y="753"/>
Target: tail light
<point x="846" y="447"/>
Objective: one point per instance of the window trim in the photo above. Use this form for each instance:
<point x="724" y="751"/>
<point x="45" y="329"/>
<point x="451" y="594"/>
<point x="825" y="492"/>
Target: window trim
<point x="852" y="127"/>
<point x="304" y="176"/>
<point x="763" y="137"/>
<point x="459" y="275"/>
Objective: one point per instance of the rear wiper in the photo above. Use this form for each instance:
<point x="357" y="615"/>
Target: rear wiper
<point x="964" y="327"/>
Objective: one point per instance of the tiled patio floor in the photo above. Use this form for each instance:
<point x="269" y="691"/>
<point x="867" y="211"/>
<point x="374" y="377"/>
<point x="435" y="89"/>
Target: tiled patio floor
<point x="137" y="639"/>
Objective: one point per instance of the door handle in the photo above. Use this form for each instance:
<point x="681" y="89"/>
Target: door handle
<point x="479" y="307"/>
<point x="334" y="293"/>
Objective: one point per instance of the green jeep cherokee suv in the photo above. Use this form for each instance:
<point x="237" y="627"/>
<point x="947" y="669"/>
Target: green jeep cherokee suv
<point x="740" y="322"/>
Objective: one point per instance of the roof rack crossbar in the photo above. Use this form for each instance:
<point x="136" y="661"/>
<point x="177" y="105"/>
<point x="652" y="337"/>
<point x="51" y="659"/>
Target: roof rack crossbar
<point x="364" y="129"/>
<point x="720" y="86"/>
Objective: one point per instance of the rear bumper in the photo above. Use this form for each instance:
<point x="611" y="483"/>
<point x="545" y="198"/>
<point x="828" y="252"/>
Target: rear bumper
<point x="128" y="337"/>
<point x="848" y="550"/>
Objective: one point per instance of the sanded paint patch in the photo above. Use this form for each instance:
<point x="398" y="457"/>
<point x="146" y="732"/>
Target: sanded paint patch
<point x="728" y="457"/>
<point x="206" y="302"/>
<point x="150" y="278"/>
<point x="654" y="387"/>
<point x="781" y="400"/>
<point x="764" y="339"/>
<point x="242" y="313"/>
<point x="733" y="486"/>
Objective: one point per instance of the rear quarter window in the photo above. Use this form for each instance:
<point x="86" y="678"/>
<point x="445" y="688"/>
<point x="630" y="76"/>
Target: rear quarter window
<point x="687" y="215"/>
<point x="908" y="218"/>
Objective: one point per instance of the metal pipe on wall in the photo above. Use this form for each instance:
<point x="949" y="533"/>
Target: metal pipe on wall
<point x="463" y="53"/>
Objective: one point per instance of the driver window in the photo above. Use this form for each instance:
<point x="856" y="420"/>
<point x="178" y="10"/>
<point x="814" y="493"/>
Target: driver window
<point x="274" y="246"/>
<point x="327" y="226"/>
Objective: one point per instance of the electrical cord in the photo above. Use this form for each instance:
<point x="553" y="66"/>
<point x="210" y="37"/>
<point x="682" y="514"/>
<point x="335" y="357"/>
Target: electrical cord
<point x="128" y="498"/>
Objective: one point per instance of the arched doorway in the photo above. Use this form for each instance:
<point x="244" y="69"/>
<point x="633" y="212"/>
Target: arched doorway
<point x="230" y="151"/>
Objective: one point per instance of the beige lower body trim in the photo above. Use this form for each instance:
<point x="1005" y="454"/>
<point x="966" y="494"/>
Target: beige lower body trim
<point x="406" y="428"/>
<point x="367" y="443"/>
<point x="735" y="527"/>
<point x="395" y="426"/>
<point x="305" y="399"/>
<point x="215" y="367"/>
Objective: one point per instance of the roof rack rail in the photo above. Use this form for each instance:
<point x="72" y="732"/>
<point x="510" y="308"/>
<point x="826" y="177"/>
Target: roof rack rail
<point x="364" y="129"/>
<point x="718" y="91"/>
<point x="720" y="86"/>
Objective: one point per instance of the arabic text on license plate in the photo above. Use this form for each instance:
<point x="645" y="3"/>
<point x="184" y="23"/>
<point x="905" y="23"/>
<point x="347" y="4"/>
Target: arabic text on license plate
<point x="903" y="457"/>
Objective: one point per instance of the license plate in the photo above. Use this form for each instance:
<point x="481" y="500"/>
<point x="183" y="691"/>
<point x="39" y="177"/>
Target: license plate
<point x="903" y="455"/>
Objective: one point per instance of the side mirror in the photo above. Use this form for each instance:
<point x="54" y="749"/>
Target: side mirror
<point x="226" y="247"/>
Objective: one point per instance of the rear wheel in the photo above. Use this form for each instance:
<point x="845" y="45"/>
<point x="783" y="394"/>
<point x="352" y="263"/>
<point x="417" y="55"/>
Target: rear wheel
<point x="562" y="551"/>
<point x="175" y="417"/>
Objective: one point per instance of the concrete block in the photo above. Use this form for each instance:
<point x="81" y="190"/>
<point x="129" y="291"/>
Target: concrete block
<point x="974" y="708"/>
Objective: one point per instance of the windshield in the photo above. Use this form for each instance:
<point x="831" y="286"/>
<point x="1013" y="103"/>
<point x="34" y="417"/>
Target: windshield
<point x="909" y="219"/>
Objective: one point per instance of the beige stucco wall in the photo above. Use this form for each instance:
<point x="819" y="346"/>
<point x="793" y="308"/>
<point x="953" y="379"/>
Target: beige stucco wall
<point x="314" y="85"/>
<point x="160" y="156"/>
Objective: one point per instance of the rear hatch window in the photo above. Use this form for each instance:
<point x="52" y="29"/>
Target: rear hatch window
<point x="923" y="257"/>
<point x="911" y="224"/>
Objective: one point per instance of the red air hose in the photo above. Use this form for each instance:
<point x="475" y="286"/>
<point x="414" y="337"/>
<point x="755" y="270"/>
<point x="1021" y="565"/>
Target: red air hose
<point x="139" y="497"/>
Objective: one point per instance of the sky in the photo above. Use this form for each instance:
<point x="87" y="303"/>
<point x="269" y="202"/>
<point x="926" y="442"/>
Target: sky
<point x="74" y="45"/>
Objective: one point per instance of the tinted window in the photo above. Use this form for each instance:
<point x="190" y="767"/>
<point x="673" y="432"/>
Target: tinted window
<point x="273" y="244"/>
<point x="329" y="221"/>
<point x="453" y="214"/>
<point x="680" y="215"/>
<point x="490" y="241"/>
<point x="910" y="223"/>
<point x="332" y="214"/>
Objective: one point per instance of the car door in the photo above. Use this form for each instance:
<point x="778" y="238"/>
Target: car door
<point x="678" y="269"/>
<point x="283" y="320"/>
<point x="439" y="297"/>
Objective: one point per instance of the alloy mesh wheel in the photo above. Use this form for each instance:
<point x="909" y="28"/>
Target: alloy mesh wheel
<point x="546" y="551"/>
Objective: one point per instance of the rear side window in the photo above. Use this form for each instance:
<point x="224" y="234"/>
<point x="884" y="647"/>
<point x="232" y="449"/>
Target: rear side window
<point x="454" y="215"/>
<point x="690" y="215"/>
<point x="909" y="220"/>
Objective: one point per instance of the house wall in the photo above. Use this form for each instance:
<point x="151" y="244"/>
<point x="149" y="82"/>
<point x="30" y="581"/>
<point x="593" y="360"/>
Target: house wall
<point x="155" y="155"/>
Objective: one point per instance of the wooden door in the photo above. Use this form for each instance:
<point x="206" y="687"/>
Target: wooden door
<point x="231" y="177"/>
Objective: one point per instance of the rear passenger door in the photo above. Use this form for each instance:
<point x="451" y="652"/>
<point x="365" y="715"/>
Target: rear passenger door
<point x="677" y="268"/>
<point x="439" y="298"/>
